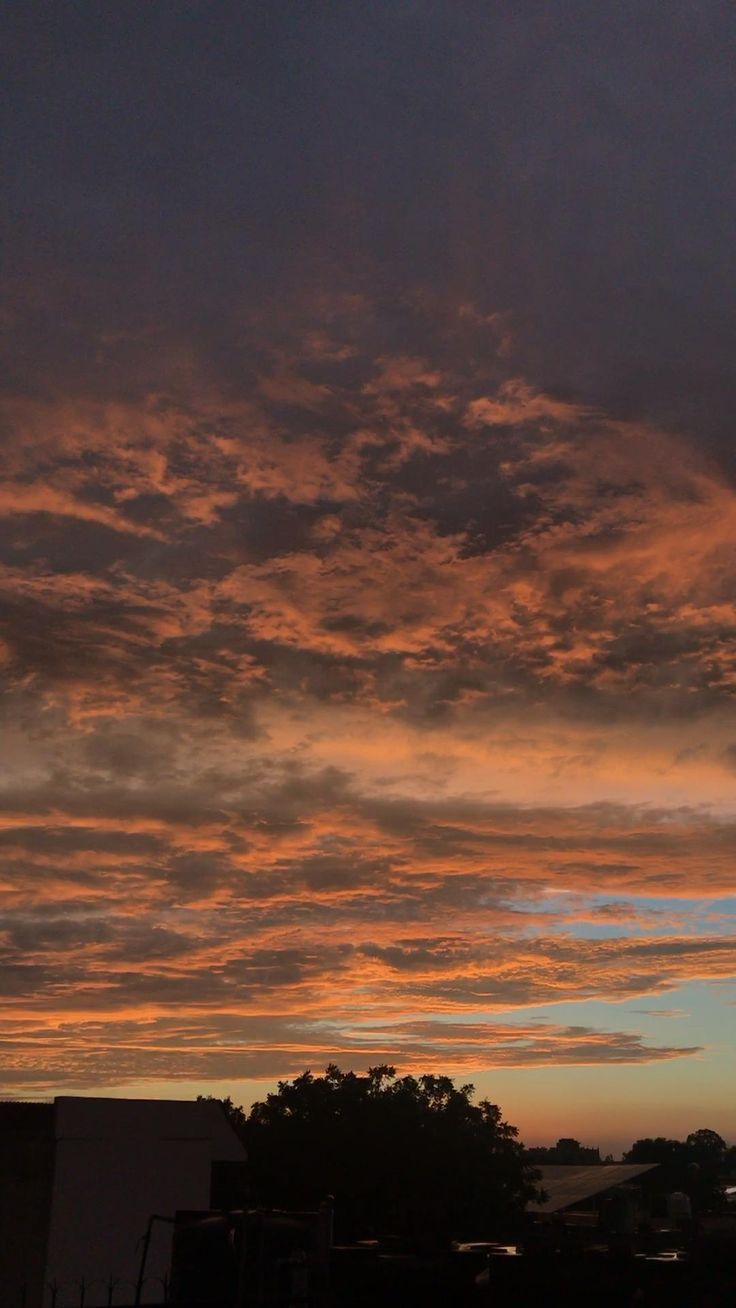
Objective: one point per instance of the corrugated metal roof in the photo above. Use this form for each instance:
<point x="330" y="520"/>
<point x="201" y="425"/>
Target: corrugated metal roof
<point x="568" y="1184"/>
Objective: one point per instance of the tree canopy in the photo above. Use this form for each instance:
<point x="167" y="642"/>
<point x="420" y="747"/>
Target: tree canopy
<point x="695" y="1165"/>
<point x="411" y="1156"/>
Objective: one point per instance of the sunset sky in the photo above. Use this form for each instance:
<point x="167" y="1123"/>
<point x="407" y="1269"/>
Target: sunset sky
<point x="367" y="537"/>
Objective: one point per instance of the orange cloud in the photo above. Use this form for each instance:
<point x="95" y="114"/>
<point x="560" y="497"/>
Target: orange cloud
<point x="74" y="1052"/>
<point x="378" y="688"/>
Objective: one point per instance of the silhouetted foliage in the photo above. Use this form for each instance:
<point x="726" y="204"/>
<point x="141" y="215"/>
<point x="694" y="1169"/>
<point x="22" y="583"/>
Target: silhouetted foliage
<point x="408" y="1156"/>
<point x="235" y="1115"/>
<point x="707" y="1147"/>
<point x="696" y="1165"/>
<point x="729" y="1163"/>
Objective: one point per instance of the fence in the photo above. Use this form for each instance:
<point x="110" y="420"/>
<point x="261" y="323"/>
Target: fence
<point x="112" y="1292"/>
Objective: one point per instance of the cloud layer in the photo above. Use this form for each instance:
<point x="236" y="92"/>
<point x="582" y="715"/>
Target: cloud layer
<point x="280" y="674"/>
<point x="368" y="638"/>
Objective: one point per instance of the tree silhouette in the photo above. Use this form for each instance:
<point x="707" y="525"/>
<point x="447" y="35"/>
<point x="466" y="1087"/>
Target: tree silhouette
<point x="410" y="1156"/>
<point x="695" y="1165"/>
<point x="706" y="1146"/>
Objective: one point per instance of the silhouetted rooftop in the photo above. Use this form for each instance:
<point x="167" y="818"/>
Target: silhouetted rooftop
<point x="568" y="1184"/>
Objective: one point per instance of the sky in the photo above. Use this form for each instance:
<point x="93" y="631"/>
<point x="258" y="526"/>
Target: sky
<point x="367" y="539"/>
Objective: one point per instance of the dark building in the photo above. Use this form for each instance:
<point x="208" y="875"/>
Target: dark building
<point x="81" y="1177"/>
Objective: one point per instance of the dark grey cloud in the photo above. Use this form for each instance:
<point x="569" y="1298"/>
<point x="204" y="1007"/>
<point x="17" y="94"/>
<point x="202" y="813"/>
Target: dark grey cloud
<point x="570" y="167"/>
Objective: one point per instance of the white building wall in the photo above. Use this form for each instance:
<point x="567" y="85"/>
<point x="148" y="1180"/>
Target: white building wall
<point x="117" y="1162"/>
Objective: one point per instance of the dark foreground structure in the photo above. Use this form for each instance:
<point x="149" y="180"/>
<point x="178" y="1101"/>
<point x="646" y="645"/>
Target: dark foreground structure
<point x="80" y="1181"/>
<point x="120" y="1203"/>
